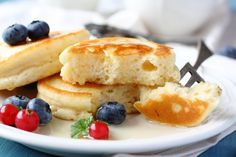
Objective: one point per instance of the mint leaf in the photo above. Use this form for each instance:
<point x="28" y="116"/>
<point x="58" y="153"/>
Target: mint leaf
<point x="80" y="128"/>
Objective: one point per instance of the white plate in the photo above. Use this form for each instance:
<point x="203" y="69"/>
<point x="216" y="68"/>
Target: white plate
<point x="136" y="134"/>
<point x="160" y="138"/>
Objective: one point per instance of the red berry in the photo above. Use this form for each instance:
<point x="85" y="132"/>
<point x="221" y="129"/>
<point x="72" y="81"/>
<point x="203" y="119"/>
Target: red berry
<point x="8" y="114"/>
<point x="99" y="130"/>
<point x="27" y="120"/>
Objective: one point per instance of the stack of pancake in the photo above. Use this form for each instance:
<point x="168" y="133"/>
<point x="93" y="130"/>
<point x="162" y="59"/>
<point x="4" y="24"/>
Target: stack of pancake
<point x="106" y="69"/>
<point x="77" y="75"/>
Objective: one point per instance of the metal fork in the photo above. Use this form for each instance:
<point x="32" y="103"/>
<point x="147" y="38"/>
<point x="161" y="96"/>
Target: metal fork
<point x="204" y="53"/>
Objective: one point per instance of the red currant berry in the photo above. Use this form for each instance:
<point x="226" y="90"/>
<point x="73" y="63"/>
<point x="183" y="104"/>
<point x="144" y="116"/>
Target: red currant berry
<point x="8" y="114"/>
<point x="27" y="120"/>
<point x="99" y="130"/>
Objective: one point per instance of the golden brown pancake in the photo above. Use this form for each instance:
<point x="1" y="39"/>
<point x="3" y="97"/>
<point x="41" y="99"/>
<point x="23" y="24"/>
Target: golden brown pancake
<point x="119" y="60"/>
<point x="177" y="105"/>
<point x="27" y="63"/>
<point x="70" y="101"/>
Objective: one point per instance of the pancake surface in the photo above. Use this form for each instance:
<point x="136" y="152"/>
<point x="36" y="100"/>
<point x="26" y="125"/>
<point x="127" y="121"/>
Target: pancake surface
<point x="27" y="63"/>
<point x="70" y="101"/>
<point x="177" y="105"/>
<point x="118" y="60"/>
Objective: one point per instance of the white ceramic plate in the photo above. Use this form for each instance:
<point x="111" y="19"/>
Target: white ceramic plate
<point x="135" y="135"/>
<point x="162" y="137"/>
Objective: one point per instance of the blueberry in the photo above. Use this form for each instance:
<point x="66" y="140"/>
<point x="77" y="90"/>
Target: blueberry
<point x="15" y="34"/>
<point x="38" y="29"/>
<point x="111" y="112"/>
<point x="42" y="108"/>
<point x="17" y="100"/>
<point x="228" y="51"/>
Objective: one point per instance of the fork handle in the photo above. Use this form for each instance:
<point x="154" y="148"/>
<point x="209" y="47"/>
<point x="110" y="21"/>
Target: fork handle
<point x="204" y="53"/>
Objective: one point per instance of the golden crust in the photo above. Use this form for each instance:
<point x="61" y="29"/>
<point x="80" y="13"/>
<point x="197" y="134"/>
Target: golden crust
<point x="173" y="109"/>
<point x="122" y="46"/>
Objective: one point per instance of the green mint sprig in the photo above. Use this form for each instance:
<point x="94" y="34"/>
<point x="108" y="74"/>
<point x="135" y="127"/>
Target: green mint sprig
<point x="80" y="128"/>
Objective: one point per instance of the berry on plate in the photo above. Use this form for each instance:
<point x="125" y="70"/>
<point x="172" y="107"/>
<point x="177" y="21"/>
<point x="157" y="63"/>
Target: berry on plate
<point x="38" y="29"/>
<point x="17" y="100"/>
<point x="99" y="130"/>
<point x="27" y="120"/>
<point x="42" y="108"/>
<point x="15" y="34"/>
<point x="8" y="114"/>
<point x="111" y="112"/>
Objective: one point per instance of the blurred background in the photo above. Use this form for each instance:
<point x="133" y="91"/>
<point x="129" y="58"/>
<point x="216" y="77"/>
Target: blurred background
<point x="184" y="21"/>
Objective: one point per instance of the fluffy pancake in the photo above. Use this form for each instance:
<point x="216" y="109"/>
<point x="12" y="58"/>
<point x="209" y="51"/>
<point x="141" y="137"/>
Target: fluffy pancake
<point x="70" y="101"/>
<point x="119" y="60"/>
<point x="177" y="105"/>
<point x="27" y="63"/>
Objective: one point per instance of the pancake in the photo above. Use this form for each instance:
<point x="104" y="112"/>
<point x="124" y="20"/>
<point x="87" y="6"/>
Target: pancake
<point x="71" y="101"/>
<point x="177" y="105"/>
<point x="27" y="63"/>
<point x="119" y="60"/>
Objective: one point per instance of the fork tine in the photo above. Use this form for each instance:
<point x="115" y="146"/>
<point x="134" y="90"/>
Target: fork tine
<point x="185" y="69"/>
<point x="195" y="77"/>
<point x="190" y="82"/>
<point x="204" y="53"/>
